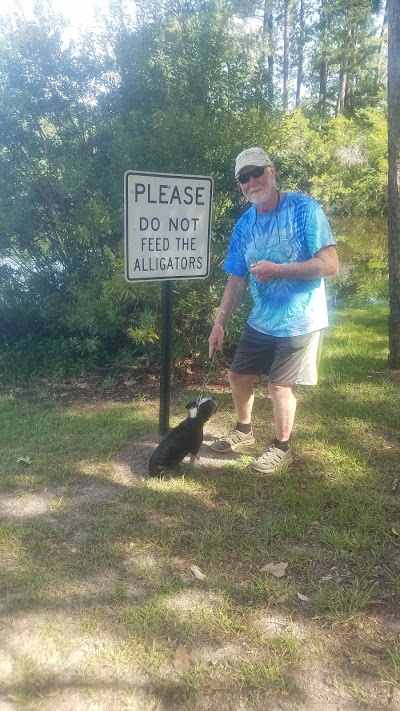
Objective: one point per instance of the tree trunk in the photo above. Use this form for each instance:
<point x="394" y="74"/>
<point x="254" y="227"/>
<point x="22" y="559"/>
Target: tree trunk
<point x="342" y="87"/>
<point x="323" y="76"/>
<point x="343" y="75"/>
<point x="394" y="181"/>
<point x="300" y="54"/>
<point x="381" y="50"/>
<point x="268" y="29"/>
<point x="323" y="67"/>
<point x="285" y="93"/>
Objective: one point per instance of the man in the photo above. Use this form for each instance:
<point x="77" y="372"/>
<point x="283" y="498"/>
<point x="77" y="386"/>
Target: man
<point x="284" y="247"/>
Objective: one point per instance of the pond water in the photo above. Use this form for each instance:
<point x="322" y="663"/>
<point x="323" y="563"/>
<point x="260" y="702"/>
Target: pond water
<point x="363" y="253"/>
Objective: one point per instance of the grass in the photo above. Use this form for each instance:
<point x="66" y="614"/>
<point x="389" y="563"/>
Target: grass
<point x="95" y="564"/>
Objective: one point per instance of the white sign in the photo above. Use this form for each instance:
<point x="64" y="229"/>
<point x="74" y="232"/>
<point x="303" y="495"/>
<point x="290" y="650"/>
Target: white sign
<point x="167" y="226"/>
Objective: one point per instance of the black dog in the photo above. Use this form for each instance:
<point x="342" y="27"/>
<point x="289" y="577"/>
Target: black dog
<point x="184" y="439"/>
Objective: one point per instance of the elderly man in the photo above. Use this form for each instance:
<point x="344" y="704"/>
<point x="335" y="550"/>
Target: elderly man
<point x="284" y="247"/>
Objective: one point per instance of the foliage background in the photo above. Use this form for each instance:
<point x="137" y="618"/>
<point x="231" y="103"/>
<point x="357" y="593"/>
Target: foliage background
<point x="183" y="88"/>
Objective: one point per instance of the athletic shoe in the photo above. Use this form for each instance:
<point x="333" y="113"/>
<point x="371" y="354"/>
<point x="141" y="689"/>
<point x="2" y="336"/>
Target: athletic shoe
<point x="233" y="441"/>
<point x="271" y="460"/>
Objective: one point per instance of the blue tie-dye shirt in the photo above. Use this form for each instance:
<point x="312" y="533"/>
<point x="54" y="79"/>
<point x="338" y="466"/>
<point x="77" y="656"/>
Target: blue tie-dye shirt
<point x="292" y="232"/>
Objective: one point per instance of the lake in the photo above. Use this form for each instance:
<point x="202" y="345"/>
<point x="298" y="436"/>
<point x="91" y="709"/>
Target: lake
<point x="363" y="253"/>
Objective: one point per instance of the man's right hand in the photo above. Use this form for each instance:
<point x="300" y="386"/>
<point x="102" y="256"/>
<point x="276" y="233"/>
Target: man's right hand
<point x="216" y="339"/>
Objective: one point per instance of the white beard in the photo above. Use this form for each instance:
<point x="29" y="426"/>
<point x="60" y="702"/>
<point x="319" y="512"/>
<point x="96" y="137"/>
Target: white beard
<point x="260" y="194"/>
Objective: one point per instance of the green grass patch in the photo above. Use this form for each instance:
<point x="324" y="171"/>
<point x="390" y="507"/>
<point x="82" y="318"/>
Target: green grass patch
<point x="95" y="563"/>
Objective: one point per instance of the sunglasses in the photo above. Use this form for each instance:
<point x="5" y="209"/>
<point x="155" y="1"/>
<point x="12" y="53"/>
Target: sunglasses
<point x="244" y="178"/>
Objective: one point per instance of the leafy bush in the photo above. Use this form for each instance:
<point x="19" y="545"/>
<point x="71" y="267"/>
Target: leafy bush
<point x="75" y="118"/>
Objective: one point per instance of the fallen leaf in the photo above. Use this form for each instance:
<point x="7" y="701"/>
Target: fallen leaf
<point x="278" y="599"/>
<point x="197" y="572"/>
<point x="24" y="460"/>
<point x="303" y="597"/>
<point x="327" y="577"/>
<point x="277" y="569"/>
<point x="181" y="659"/>
<point x="396" y="533"/>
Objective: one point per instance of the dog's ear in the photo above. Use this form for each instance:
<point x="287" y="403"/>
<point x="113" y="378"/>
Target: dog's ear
<point x="191" y="404"/>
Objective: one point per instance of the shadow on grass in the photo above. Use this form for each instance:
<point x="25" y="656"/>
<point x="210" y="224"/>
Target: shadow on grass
<point x="112" y="554"/>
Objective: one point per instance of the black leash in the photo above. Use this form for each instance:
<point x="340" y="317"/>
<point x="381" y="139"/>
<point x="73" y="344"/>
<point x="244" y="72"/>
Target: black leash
<point x="207" y="378"/>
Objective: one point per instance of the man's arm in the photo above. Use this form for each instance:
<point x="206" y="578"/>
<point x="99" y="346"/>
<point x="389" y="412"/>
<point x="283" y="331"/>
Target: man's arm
<point x="324" y="263"/>
<point x="233" y="293"/>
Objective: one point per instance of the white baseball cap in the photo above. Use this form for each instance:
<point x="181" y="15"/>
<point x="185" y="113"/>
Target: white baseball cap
<point x="251" y="156"/>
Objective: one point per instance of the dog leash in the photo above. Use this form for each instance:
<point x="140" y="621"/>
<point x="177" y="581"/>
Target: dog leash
<point x="208" y="374"/>
<point x="207" y="378"/>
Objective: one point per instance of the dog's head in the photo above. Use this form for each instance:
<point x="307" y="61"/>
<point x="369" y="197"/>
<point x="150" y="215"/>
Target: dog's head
<point x="202" y="409"/>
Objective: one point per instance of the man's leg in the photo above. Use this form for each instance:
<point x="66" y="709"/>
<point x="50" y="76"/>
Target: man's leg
<point x="242" y="388"/>
<point x="295" y="361"/>
<point x="278" y="453"/>
<point x="284" y="404"/>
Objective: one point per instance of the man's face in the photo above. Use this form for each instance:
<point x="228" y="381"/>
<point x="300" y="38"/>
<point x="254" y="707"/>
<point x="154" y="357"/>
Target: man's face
<point x="258" y="190"/>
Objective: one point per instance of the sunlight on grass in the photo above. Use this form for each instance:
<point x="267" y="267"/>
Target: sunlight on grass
<point x="342" y="604"/>
<point x="102" y="559"/>
<point x="268" y="673"/>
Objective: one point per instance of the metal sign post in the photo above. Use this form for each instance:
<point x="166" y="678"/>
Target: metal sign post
<point x="167" y="237"/>
<point x="166" y="350"/>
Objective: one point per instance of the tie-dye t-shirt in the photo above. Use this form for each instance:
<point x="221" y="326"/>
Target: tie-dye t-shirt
<point x="292" y="232"/>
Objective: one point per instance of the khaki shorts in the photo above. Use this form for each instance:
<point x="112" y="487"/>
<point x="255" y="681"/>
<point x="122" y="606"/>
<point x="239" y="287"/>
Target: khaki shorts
<point x="291" y="360"/>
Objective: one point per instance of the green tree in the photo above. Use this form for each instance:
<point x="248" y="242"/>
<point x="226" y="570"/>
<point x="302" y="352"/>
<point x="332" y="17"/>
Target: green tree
<point x="394" y="181"/>
<point x="183" y="89"/>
